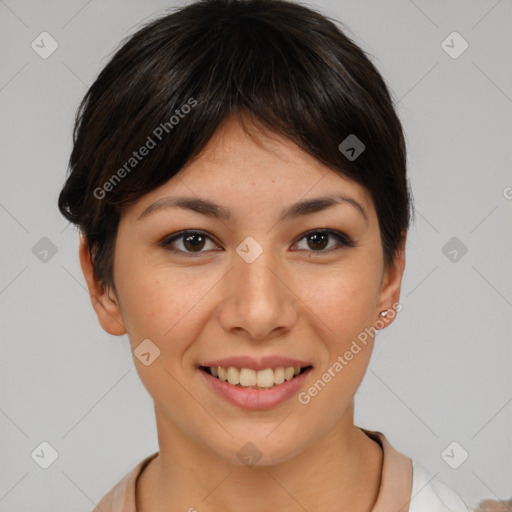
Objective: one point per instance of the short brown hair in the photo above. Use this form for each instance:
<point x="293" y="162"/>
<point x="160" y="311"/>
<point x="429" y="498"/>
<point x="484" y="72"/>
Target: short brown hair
<point x="281" y="63"/>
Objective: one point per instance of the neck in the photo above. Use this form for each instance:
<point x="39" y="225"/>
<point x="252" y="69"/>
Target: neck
<point x="341" y="471"/>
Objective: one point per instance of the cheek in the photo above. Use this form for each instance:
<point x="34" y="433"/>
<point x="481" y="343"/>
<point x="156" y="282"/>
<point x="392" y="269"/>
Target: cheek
<point x="345" y="311"/>
<point x="160" y="304"/>
<point x="343" y="300"/>
<point x="167" y="309"/>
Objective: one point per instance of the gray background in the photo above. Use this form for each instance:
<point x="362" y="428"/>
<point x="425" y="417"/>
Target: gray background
<point x="440" y="373"/>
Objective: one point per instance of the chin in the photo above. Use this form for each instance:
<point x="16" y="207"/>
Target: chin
<point x="260" y="449"/>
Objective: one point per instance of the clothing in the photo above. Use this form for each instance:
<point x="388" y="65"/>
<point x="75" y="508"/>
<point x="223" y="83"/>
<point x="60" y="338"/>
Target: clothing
<point x="403" y="480"/>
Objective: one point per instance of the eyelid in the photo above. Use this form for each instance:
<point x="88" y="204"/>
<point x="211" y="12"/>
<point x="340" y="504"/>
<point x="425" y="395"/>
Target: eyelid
<point x="341" y="237"/>
<point x="166" y="242"/>
<point x="338" y="235"/>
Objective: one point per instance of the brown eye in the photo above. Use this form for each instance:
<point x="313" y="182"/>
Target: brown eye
<point x="194" y="242"/>
<point x="319" y="240"/>
<point x="187" y="243"/>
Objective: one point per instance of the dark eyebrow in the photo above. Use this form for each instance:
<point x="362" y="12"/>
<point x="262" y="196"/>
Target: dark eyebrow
<point x="321" y="203"/>
<point x="206" y="207"/>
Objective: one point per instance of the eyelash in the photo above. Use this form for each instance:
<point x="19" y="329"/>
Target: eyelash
<point x="342" y="239"/>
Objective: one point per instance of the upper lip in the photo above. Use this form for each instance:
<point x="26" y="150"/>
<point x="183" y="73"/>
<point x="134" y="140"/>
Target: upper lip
<point x="257" y="364"/>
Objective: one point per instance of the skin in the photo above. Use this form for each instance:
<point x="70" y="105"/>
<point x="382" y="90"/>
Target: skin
<point x="292" y="300"/>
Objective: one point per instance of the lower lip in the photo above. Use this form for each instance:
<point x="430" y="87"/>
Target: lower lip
<point x="256" y="399"/>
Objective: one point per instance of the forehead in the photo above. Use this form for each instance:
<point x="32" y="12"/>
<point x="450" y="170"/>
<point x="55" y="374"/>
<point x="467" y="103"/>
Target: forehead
<point x="248" y="172"/>
<point x="250" y="157"/>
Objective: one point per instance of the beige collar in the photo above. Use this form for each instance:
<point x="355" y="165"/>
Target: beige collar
<point x="396" y="483"/>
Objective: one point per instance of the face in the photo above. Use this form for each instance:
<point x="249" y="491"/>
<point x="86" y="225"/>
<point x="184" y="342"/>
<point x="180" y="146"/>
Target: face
<point x="255" y="279"/>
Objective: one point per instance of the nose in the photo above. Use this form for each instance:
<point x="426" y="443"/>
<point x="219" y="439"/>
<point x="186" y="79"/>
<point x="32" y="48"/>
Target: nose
<point x="258" y="298"/>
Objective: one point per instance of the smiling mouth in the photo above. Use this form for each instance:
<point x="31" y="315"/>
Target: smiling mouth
<point x="255" y="379"/>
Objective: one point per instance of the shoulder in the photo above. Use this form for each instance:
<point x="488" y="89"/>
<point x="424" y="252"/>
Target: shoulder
<point x="121" y="498"/>
<point x="430" y="494"/>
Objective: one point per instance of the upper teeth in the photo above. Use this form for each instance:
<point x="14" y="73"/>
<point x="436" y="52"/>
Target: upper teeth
<point x="248" y="377"/>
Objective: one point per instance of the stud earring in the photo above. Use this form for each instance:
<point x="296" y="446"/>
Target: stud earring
<point x="383" y="313"/>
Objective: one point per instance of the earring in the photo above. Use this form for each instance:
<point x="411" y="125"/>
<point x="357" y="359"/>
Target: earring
<point x="383" y="313"/>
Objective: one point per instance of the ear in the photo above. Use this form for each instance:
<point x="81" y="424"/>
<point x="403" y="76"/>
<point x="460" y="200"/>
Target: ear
<point x="103" y="301"/>
<point x="389" y="295"/>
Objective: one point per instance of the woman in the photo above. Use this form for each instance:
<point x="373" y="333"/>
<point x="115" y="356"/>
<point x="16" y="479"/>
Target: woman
<point x="239" y="180"/>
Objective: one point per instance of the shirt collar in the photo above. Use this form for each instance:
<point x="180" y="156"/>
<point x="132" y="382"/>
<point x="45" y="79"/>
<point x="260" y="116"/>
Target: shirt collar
<point x="396" y="482"/>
